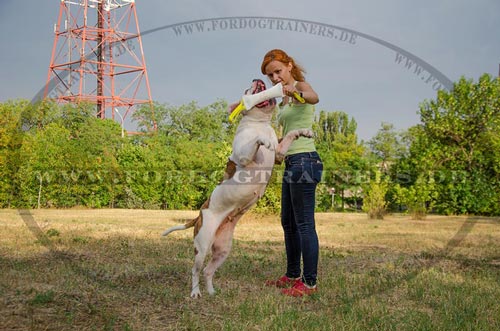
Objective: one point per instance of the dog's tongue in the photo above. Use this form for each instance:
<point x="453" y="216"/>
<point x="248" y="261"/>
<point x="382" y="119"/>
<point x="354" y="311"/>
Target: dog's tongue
<point x="259" y="87"/>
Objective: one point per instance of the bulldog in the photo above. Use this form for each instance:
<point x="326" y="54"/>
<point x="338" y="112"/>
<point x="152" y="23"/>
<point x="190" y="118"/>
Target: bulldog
<point x="255" y="150"/>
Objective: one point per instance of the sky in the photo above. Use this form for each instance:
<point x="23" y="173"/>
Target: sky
<point x="359" y="55"/>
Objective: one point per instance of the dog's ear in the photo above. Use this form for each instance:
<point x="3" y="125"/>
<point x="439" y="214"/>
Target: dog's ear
<point x="255" y="87"/>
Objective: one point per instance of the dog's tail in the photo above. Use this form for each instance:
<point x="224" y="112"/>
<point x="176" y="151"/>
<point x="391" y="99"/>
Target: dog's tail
<point x="188" y="225"/>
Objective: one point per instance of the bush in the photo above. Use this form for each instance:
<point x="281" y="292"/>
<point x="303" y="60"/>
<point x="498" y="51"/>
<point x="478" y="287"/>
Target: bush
<point x="418" y="198"/>
<point x="374" y="203"/>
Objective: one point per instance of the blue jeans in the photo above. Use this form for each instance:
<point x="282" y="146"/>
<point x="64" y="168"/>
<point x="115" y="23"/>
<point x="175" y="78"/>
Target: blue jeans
<point x="298" y="198"/>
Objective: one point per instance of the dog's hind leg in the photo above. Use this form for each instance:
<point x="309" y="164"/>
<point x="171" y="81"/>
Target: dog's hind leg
<point x="220" y="249"/>
<point x="202" y="243"/>
<point x="199" y="258"/>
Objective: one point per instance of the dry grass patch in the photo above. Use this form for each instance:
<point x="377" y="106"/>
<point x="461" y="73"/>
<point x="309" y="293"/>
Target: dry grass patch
<point x="111" y="270"/>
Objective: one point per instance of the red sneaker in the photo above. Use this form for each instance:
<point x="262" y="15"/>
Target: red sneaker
<point x="282" y="282"/>
<point x="299" y="289"/>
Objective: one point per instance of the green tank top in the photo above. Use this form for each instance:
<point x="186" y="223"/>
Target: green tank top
<point x="297" y="116"/>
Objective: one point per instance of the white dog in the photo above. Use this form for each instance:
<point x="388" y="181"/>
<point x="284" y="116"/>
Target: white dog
<point x="255" y="150"/>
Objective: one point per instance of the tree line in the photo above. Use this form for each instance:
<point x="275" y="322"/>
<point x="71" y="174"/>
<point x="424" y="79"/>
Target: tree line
<point x="62" y="156"/>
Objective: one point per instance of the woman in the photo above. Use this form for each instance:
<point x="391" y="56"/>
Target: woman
<point x="303" y="168"/>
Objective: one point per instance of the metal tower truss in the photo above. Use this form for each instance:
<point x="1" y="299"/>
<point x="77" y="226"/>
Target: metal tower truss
<point x="98" y="57"/>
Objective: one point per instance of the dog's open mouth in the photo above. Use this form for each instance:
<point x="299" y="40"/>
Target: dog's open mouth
<point x="258" y="86"/>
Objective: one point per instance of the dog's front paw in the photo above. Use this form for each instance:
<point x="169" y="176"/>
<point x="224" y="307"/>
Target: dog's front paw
<point x="306" y="133"/>
<point x="278" y="158"/>
<point x="266" y="143"/>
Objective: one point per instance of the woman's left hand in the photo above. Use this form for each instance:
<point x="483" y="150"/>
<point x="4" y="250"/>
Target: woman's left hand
<point x="288" y="90"/>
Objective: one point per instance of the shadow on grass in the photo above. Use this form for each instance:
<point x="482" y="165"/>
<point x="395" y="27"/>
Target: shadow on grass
<point x="82" y="285"/>
<point x="168" y="267"/>
<point x="96" y="281"/>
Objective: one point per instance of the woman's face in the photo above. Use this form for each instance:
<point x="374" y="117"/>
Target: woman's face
<point x="278" y="72"/>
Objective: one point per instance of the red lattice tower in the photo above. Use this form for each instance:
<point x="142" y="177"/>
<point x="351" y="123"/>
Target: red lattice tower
<point x="97" y="57"/>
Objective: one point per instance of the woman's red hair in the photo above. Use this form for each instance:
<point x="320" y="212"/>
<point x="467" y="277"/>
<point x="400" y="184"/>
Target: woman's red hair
<point x="280" y="55"/>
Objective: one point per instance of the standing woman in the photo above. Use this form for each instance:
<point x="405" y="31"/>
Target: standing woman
<point x="303" y="168"/>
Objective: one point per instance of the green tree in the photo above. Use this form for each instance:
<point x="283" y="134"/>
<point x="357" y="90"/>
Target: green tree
<point x="345" y="164"/>
<point x="11" y="138"/>
<point x="387" y="146"/>
<point x="209" y="123"/>
<point x="67" y="160"/>
<point x="189" y="152"/>
<point x="458" y="142"/>
<point x="43" y="178"/>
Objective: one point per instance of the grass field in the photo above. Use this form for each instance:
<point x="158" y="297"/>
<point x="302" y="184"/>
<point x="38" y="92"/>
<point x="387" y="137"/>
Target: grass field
<point x="111" y="270"/>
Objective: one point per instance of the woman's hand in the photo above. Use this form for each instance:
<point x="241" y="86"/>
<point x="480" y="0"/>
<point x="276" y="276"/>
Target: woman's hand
<point x="232" y="106"/>
<point x="288" y="90"/>
<point x="308" y="94"/>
